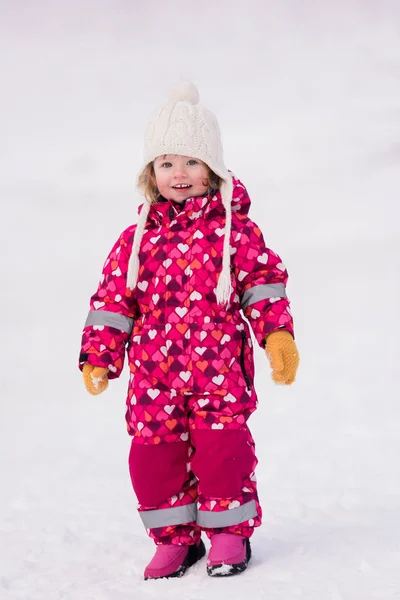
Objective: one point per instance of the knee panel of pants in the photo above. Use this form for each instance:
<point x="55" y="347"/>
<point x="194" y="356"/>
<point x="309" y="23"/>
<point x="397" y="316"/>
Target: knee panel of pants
<point x="158" y="471"/>
<point x="222" y="461"/>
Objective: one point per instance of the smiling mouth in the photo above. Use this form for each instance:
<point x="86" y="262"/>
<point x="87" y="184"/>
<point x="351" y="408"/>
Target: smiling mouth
<point x="182" y="186"/>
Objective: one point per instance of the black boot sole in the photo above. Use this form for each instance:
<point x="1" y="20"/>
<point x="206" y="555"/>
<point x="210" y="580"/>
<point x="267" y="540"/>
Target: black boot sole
<point x="194" y="554"/>
<point x="223" y="570"/>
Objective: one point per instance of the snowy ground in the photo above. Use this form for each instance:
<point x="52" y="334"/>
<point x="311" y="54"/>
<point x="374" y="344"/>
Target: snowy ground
<point x="308" y="100"/>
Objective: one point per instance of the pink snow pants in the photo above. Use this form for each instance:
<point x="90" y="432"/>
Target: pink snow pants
<point x="192" y="463"/>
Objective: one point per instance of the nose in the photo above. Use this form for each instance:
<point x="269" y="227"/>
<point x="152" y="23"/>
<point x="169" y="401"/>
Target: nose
<point x="180" y="172"/>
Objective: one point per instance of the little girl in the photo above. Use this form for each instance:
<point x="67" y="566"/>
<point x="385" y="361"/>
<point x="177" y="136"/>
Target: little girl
<point x="172" y="293"/>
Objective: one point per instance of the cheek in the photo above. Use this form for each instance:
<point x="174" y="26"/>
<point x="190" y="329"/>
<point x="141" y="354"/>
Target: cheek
<point x="161" y="179"/>
<point x="203" y="179"/>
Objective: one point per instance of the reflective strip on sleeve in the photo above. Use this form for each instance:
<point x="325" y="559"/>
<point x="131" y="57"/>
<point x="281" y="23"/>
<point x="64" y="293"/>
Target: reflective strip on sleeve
<point x="110" y="319"/>
<point x="169" y="516"/>
<point x="263" y="292"/>
<point x="225" y="518"/>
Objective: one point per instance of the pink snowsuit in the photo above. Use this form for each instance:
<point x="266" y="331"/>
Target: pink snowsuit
<point x="191" y="390"/>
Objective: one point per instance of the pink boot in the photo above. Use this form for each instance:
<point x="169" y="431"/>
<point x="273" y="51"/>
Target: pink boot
<point x="229" y="554"/>
<point x="171" y="560"/>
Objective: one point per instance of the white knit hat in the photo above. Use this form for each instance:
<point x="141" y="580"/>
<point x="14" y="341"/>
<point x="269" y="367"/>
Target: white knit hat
<point x="185" y="127"/>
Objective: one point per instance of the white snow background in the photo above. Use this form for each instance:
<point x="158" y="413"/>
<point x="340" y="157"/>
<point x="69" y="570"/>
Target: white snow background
<point x="308" y="98"/>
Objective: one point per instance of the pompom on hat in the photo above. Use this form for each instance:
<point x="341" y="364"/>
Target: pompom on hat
<point x="184" y="126"/>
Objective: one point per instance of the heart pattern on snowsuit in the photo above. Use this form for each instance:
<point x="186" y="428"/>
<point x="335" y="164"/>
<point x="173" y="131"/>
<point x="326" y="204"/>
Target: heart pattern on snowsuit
<point x="190" y="359"/>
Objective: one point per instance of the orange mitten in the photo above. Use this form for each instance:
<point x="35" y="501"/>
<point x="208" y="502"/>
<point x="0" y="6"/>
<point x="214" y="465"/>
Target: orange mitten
<point x="283" y="356"/>
<point x="95" y="379"/>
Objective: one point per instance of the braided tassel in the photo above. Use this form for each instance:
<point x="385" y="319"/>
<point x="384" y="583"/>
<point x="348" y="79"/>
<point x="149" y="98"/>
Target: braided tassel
<point x="133" y="267"/>
<point x="224" y="286"/>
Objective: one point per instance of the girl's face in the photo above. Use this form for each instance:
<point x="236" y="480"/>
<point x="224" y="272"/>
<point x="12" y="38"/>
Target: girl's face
<point x="180" y="177"/>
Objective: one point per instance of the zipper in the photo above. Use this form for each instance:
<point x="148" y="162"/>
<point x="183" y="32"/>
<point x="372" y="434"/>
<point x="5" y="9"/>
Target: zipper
<point x="246" y="377"/>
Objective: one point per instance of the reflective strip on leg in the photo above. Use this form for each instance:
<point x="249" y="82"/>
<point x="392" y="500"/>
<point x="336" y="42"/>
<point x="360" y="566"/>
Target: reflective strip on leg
<point x="225" y="518"/>
<point x="177" y="515"/>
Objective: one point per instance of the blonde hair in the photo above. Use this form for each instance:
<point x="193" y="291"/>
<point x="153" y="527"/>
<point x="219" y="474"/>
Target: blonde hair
<point x="148" y="186"/>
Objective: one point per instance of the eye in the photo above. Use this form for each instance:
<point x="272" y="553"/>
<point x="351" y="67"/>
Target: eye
<point x="192" y="162"/>
<point x="166" y="165"/>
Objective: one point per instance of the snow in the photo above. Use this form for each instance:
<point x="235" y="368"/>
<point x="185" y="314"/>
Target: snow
<point x="307" y="96"/>
<point x="222" y="570"/>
